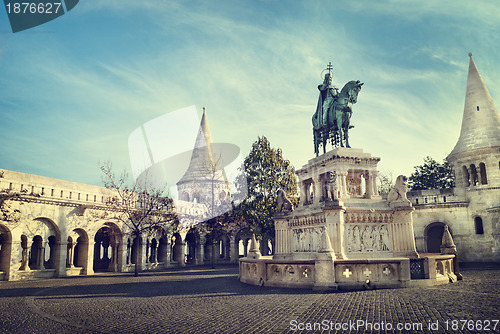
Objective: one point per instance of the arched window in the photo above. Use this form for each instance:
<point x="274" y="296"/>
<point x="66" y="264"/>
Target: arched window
<point x="482" y="173"/>
<point x="185" y="196"/>
<point x="478" y="224"/>
<point x="466" y="176"/>
<point x="473" y="175"/>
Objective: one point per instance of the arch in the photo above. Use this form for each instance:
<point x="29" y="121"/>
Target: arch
<point x="46" y="228"/>
<point x="185" y="196"/>
<point x="473" y="175"/>
<point x="80" y="249"/>
<point x="107" y="250"/>
<point x="242" y="240"/>
<point x="69" y="252"/>
<point x="466" y="176"/>
<point x="5" y="252"/>
<point x="433" y="235"/>
<point x="24" y="253"/>
<point x="50" y="253"/>
<point x="478" y="225"/>
<point x="162" y="249"/>
<point x="153" y="253"/>
<point x="36" y="253"/>
<point x="196" y="198"/>
<point x="482" y="173"/>
<point x="177" y="255"/>
<point x="192" y="244"/>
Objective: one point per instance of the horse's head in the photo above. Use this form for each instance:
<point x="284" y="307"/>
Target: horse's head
<point x="351" y="89"/>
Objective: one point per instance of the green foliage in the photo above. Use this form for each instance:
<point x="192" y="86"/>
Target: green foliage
<point x="266" y="172"/>
<point x="432" y="175"/>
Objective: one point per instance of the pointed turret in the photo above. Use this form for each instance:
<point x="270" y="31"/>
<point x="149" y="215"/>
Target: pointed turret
<point x="203" y="165"/>
<point x="481" y="120"/>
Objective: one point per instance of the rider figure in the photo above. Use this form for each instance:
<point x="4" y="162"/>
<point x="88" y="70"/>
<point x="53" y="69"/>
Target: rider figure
<point x="328" y="94"/>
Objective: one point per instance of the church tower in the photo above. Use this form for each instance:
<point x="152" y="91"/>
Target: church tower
<point x="476" y="156"/>
<point x="476" y="163"/>
<point x="205" y="181"/>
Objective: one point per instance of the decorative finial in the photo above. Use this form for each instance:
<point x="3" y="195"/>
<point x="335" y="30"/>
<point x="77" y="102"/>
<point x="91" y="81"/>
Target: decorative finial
<point x="204" y="109"/>
<point x="328" y="68"/>
<point x="470" y="54"/>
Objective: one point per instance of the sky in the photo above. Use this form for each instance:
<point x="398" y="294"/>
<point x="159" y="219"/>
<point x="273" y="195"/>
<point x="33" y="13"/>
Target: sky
<point x="73" y="90"/>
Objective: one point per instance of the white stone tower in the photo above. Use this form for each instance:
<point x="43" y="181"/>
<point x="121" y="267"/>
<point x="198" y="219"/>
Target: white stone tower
<point x="476" y="163"/>
<point x="476" y="156"/>
<point x="204" y="181"/>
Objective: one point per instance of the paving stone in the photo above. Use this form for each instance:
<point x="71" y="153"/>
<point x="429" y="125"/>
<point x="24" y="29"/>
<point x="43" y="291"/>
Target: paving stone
<point x="199" y="299"/>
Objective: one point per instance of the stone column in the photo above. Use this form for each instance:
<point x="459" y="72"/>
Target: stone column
<point x="303" y="193"/>
<point x="317" y="189"/>
<point x="245" y="245"/>
<point x="69" y="255"/>
<point x="368" y="184"/>
<point x="373" y="177"/>
<point x="24" y="255"/>
<point x="182" y="259"/>
<point x="89" y="267"/>
<point x="59" y="258"/>
<point x="200" y="251"/>
<point x="343" y="183"/>
<point x="168" y="251"/>
<point x="233" y="249"/>
<point x="142" y="254"/>
<point x="41" y="257"/>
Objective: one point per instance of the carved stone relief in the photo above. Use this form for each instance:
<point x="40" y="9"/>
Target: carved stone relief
<point x="367" y="238"/>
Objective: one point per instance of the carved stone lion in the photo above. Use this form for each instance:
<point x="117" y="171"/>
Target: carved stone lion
<point x="331" y="186"/>
<point x="398" y="192"/>
<point x="283" y="203"/>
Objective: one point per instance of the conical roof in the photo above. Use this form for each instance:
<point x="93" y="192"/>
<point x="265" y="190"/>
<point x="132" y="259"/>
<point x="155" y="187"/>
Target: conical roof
<point x="203" y="166"/>
<point x="481" y="120"/>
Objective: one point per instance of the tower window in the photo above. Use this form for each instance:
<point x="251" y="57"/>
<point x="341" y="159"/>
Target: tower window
<point x="478" y="224"/>
<point x="477" y="107"/>
<point x="482" y="173"/>
<point x="466" y="176"/>
<point x="473" y="175"/>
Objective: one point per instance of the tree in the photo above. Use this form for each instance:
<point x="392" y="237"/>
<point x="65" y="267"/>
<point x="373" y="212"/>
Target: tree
<point x="140" y="206"/>
<point x="432" y="175"/>
<point x="385" y="182"/>
<point x="266" y="172"/>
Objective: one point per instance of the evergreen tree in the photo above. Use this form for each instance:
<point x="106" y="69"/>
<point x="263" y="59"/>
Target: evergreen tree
<point x="266" y="172"/>
<point x="432" y="175"/>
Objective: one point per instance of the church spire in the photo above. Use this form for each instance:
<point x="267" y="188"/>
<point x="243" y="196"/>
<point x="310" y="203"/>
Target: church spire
<point x="203" y="164"/>
<point x="481" y="120"/>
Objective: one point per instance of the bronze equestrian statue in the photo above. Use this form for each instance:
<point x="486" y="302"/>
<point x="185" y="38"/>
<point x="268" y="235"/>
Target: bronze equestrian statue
<point x="333" y="113"/>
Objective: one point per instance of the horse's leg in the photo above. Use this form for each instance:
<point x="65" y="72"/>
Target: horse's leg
<point x="325" y="141"/>
<point x="339" y="128"/>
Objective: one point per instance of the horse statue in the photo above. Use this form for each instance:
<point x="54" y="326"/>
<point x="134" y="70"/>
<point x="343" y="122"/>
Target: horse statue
<point x="333" y="113"/>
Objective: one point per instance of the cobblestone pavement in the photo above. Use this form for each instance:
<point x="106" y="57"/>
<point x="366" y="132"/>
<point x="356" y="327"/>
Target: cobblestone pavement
<point x="203" y="300"/>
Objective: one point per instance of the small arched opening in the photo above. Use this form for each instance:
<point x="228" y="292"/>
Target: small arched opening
<point x="5" y="252"/>
<point x="473" y="175"/>
<point x="482" y="173"/>
<point x="478" y="225"/>
<point x="433" y="237"/>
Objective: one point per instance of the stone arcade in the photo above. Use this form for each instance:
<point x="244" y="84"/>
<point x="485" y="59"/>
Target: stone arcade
<point x="64" y="228"/>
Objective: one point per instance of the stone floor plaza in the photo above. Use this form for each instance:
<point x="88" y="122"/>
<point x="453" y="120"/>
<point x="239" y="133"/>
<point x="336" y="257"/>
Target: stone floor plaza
<point x="204" y="300"/>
